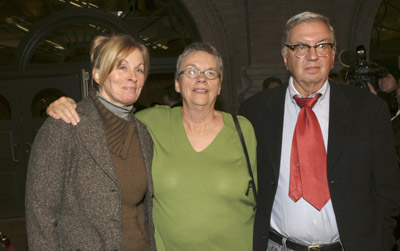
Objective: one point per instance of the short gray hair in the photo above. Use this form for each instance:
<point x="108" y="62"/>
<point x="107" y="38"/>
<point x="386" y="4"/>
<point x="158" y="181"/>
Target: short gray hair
<point x="199" y="46"/>
<point x="306" y="17"/>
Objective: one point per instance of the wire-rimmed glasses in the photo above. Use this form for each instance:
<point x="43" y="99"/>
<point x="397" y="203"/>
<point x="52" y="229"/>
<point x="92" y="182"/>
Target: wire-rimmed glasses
<point x="195" y="73"/>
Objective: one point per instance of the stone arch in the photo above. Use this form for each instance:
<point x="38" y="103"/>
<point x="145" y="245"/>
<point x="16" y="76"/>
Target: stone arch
<point x="363" y="20"/>
<point x="210" y="26"/>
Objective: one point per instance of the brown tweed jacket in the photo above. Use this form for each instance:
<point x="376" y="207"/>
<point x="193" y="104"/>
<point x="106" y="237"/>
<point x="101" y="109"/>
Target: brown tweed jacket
<point x="72" y="195"/>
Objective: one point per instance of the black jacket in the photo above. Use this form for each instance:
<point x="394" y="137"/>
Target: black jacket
<point x="363" y="175"/>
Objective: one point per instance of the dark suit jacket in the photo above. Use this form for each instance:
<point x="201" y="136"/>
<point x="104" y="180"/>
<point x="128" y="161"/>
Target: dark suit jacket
<point x="72" y="195"/>
<point x="396" y="131"/>
<point x="363" y="175"/>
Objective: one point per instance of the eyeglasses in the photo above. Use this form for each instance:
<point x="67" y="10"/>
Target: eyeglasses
<point x="195" y="73"/>
<point x="301" y="50"/>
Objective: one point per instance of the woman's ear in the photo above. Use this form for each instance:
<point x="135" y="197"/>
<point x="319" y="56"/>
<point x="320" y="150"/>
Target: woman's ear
<point x="220" y="85"/>
<point x="177" y="88"/>
<point x="96" y="75"/>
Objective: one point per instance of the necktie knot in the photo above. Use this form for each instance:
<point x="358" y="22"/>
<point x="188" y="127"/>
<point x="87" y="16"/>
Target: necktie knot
<point x="308" y="102"/>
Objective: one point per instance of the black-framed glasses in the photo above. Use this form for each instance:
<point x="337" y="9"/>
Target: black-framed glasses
<point x="195" y="73"/>
<point x="301" y="50"/>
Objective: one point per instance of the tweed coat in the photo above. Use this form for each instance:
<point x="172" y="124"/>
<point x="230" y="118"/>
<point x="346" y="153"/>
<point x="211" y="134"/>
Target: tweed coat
<point x="72" y="195"/>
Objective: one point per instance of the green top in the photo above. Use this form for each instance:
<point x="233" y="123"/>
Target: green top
<point x="202" y="200"/>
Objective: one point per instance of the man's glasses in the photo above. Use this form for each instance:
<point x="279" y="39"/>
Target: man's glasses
<point x="195" y="73"/>
<point x="301" y="50"/>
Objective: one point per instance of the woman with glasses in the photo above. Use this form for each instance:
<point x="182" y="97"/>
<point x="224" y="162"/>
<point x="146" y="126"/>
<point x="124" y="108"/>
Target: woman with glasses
<point x="203" y="199"/>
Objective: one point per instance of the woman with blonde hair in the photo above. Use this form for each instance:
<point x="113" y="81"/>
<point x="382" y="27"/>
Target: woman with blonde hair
<point x="89" y="186"/>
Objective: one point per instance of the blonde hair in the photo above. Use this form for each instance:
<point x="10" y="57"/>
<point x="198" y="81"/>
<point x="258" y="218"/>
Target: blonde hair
<point x="108" y="52"/>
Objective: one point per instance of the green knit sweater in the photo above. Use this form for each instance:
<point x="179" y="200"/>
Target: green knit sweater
<point x="202" y="200"/>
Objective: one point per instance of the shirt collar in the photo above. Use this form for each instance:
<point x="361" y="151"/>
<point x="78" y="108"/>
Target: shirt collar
<point x="293" y="91"/>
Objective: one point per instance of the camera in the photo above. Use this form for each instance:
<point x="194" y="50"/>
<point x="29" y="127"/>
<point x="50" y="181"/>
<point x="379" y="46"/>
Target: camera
<point x="360" y="72"/>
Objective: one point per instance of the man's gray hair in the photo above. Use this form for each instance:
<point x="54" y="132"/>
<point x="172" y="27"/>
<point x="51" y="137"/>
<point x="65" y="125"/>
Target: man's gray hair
<point x="306" y="17"/>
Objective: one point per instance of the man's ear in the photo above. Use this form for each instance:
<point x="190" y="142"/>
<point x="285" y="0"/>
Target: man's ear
<point x="333" y="58"/>
<point x="96" y="75"/>
<point x="283" y="52"/>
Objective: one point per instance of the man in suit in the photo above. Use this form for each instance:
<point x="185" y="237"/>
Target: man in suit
<point x="359" y="178"/>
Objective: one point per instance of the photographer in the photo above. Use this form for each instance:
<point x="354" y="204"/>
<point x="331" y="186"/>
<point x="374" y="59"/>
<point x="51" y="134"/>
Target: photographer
<point x="387" y="86"/>
<point x="370" y="76"/>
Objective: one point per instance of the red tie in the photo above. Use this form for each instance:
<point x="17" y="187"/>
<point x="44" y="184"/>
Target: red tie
<point x="308" y="177"/>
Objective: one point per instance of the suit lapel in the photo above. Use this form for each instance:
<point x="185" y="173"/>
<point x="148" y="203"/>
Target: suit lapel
<point x="340" y="123"/>
<point x="91" y="135"/>
<point x="274" y="110"/>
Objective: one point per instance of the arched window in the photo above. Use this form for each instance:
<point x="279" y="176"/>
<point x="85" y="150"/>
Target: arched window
<point x="42" y="100"/>
<point x="164" y="25"/>
<point x="385" y="37"/>
<point x="60" y="31"/>
<point x="5" y="111"/>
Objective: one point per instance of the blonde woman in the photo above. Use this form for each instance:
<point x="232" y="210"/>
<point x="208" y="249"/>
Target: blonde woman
<point x="89" y="186"/>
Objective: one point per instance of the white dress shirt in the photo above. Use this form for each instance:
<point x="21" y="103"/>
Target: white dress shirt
<point x="300" y="221"/>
